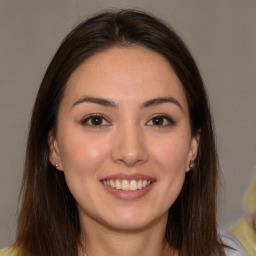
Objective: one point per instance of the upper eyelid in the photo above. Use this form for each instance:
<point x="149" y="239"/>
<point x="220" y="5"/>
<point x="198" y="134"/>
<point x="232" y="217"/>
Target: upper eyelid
<point x="166" y="116"/>
<point x="161" y="115"/>
<point x="88" y="117"/>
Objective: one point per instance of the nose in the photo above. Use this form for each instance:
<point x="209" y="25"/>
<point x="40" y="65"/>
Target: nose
<point x="129" y="147"/>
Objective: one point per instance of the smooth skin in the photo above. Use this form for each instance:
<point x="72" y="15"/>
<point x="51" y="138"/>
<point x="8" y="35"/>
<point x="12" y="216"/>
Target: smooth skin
<point x="124" y="111"/>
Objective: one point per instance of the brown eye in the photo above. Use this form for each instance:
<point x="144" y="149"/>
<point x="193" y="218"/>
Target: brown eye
<point x="95" y="120"/>
<point x="158" y="120"/>
<point x="161" y="120"/>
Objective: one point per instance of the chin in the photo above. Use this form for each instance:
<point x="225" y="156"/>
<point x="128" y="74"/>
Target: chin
<point x="131" y="226"/>
<point x="134" y="222"/>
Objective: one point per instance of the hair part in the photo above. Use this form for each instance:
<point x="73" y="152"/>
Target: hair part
<point x="48" y="223"/>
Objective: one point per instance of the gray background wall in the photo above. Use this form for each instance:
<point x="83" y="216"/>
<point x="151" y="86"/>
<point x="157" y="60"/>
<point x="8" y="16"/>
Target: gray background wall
<point x="221" y="35"/>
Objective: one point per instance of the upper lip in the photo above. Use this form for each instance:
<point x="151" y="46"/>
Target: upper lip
<point x="122" y="176"/>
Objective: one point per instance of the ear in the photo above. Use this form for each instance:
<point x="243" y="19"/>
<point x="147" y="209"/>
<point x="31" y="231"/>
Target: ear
<point x="193" y="147"/>
<point x="54" y="154"/>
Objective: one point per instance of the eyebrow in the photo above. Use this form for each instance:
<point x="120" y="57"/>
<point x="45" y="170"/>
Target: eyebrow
<point x="158" y="101"/>
<point x="99" y="101"/>
<point x="110" y="103"/>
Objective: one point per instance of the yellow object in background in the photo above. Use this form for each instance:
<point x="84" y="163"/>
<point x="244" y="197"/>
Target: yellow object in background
<point x="9" y="252"/>
<point x="245" y="233"/>
<point x="245" y="228"/>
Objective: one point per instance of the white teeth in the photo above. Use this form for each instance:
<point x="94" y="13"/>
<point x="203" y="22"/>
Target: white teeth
<point x="144" y="183"/>
<point x="133" y="185"/>
<point x="127" y="185"/>
<point x="118" y="184"/>
<point x="112" y="183"/>
<point x="139" y="184"/>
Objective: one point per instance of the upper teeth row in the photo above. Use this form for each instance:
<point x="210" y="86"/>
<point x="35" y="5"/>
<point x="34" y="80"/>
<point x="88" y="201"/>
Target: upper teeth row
<point x="127" y="185"/>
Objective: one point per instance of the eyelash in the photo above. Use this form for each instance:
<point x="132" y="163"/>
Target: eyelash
<point x="86" y="120"/>
<point x="164" y="119"/>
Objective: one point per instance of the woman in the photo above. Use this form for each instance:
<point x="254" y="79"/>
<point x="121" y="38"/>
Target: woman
<point x="121" y="157"/>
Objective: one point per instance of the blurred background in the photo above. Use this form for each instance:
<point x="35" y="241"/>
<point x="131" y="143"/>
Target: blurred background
<point x="221" y="36"/>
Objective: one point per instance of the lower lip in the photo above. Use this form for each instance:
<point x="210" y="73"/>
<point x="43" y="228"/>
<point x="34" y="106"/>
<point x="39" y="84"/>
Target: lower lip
<point x="128" y="195"/>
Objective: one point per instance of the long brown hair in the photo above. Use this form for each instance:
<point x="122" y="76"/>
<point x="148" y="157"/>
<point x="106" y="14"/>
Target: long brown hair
<point x="48" y="223"/>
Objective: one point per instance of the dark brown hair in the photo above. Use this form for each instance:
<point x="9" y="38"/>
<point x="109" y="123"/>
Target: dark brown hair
<point x="48" y="223"/>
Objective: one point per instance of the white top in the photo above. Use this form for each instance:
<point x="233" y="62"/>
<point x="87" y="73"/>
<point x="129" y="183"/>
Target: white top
<point x="227" y="238"/>
<point x="231" y="241"/>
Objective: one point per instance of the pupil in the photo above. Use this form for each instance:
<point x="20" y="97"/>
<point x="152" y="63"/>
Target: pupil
<point x="96" y="120"/>
<point x="158" y="121"/>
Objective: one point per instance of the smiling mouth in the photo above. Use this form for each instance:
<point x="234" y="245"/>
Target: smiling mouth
<point x="127" y="185"/>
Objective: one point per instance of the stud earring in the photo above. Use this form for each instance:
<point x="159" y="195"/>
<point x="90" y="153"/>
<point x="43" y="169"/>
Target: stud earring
<point x="192" y="164"/>
<point x="56" y="165"/>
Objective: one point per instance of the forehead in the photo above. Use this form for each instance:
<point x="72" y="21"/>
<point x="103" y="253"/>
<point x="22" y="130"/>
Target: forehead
<point x="123" y="74"/>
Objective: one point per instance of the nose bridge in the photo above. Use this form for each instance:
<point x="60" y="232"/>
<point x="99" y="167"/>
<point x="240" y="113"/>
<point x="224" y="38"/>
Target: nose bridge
<point x="130" y="145"/>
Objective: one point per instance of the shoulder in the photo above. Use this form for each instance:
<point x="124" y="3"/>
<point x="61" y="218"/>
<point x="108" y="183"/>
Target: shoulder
<point x="9" y="252"/>
<point x="236" y="248"/>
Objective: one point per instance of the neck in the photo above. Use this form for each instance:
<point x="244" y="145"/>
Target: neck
<point x="149" y="241"/>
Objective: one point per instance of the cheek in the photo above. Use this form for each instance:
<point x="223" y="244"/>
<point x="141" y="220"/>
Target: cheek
<point x="172" y="153"/>
<point x="82" y="159"/>
<point x="82" y="155"/>
<point x="170" y="159"/>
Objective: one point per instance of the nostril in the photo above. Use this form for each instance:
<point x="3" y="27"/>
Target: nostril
<point x="129" y="147"/>
<point x="130" y="158"/>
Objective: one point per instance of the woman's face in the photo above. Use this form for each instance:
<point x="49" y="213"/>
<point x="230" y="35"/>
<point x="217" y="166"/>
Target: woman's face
<point x="123" y="138"/>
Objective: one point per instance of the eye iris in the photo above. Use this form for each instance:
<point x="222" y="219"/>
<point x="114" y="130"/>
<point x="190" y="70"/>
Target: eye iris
<point x="96" y="120"/>
<point x="158" y="121"/>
